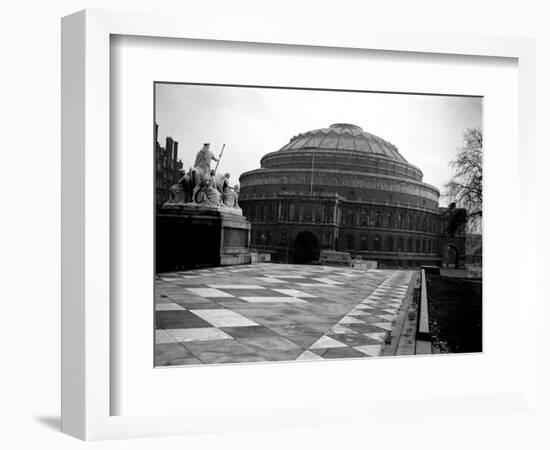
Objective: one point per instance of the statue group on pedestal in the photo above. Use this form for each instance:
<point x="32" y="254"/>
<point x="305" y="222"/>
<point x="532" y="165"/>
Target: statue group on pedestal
<point x="202" y="185"/>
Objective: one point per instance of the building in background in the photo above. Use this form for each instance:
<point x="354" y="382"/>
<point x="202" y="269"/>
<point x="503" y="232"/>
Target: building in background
<point x="167" y="168"/>
<point x="341" y="188"/>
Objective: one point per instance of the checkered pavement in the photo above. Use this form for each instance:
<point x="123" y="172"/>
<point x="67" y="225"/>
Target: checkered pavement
<point x="274" y="312"/>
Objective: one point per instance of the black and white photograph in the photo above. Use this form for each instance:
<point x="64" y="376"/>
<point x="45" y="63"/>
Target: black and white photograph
<point x="304" y="224"/>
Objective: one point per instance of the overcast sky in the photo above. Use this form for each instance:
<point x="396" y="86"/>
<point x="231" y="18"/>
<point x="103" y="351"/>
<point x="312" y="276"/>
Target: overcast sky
<point x="251" y="122"/>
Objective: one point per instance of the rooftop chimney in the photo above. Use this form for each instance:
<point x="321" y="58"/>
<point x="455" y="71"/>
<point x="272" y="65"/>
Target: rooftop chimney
<point x="175" y="155"/>
<point x="169" y="144"/>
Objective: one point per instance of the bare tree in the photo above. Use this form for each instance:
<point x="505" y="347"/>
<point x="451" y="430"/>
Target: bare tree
<point x="466" y="186"/>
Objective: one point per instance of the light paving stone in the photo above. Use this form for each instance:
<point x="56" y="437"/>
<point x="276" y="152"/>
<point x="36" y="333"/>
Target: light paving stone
<point x="294" y="293"/>
<point x="292" y="277"/>
<point x="327" y="342"/>
<point x="209" y="292"/>
<point x="328" y="281"/>
<point x="270" y="280"/>
<point x="236" y="286"/>
<point x="284" y="299"/>
<point x="198" y="334"/>
<point x="308" y="356"/>
<point x="163" y="337"/>
<point x="316" y="285"/>
<point x="349" y="319"/>
<point x="223" y="317"/>
<point x="377" y="336"/>
<point x="340" y="329"/>
<point x="171" y="306"/>
<point x="371" y="350"/>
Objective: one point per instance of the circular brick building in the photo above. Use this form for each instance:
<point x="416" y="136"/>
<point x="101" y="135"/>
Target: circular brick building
<point x="341" y="188"/>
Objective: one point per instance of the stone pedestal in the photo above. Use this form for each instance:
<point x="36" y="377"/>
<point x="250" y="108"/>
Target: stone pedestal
<point x="191" y="236"/>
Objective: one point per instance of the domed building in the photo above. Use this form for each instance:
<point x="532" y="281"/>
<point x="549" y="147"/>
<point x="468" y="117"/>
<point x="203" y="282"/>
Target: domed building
<point x="341" y="188"/>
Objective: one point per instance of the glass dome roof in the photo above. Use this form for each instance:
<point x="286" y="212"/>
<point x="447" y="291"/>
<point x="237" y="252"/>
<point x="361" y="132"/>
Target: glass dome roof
<point x="344" y="136"/>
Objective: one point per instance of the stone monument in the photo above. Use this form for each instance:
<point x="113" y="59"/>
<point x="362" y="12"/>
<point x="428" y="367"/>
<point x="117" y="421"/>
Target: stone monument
<point x="202" y="224"/>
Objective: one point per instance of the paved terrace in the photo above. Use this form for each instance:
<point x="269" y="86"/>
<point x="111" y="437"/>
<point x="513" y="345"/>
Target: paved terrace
<point x="275" y="312"/>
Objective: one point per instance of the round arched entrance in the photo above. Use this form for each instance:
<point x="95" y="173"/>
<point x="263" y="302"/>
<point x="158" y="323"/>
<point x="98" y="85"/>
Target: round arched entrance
<point x="450" y="256"/>
<point x="306" y="248"/>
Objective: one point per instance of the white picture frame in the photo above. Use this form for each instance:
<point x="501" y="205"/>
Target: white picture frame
<point x="87" y="356"/>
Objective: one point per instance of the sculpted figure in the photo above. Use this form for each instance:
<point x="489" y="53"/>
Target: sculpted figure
<point x="208" y="194"/>
<point x="229" y="195"/>
<point x="236" y="190"/>
<point x="181" y="191"/>
<point x="201" y="169"/>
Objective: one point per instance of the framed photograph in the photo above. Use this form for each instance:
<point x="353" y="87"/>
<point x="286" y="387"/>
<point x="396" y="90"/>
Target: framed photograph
<point x="251" y="219"/>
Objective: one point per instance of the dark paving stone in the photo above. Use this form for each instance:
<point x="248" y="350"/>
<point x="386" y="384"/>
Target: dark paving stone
<point x="274" y="320"/>
<point x="179" y="319"/>
<point x="183" y="297"/>
<point x="204" y="305"/>
<point x="306" y="319"/>
<point x="368" y="319"/>
<point x="303" y="335"/>
<point x="272" y="344"/>
<point x="353" y="340"/>
<point x="252" y="292"/>
<point x="233" y="303"/>
<point x="249" y="332"/>
<point x="340" y="352"/>
<point x="223" y="351"/>
<point x="173" y="354"/>
<point x="280" y="355"/>
<point x="365" y="328"/>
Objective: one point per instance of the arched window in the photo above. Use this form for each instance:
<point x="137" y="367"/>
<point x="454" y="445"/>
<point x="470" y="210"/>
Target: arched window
<point x="327" y="240"/>
<point x="251" y="212"/>
<point x="284" y="211"/>
<point x="410" y="245"/>
<point x="328" y="213"/>
<point x="363" y="246"/>
<point x="390" y="220"/>
<point x="418" y="245"/>
<point x="349" y="242"/>
<point x="364" y="218"/>
<point x="294" y="211"/>
<point x="376" y="243"/>
<point x="261" y="212"/>
<point x="377" y="219"/>
<point x="319" y="213"/>
<point x="390" y="243"/>
<point x="401" y="244"/>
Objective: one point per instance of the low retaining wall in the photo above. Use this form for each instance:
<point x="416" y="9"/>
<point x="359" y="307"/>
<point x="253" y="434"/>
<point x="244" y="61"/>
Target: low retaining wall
<point x="423" y="339"/>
